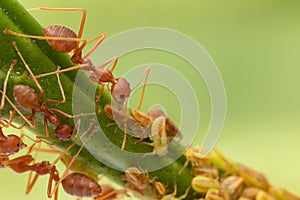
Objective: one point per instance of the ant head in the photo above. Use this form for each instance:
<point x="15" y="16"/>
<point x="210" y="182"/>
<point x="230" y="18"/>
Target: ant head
<point x="121" y="91"/>
<point x="63" y="132"/>
<point x="12" y="145"/>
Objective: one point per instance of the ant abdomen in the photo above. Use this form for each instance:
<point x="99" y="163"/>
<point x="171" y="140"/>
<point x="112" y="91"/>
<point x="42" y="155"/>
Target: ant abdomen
<point x="81" y="185"/>
<point x="64" y="46"/>
<point x="25" y="96"/>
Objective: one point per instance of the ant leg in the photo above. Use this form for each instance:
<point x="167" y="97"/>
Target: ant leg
<point x="98" y="98"/>
<point x="183" y="167"/>
<point x="30" y="183"/>
<point x="46" y="126"/>
<point x="101" y="39"/>
<point x="43" y="37"/>
<point x="125" y="127"/>
<point x="124" y="137"/>
<point x="61" y="91"/>
<point x="54" y="175"/>
<point x="68" y="9"/>
<point x="40" y="139"/>
<point x="45" y="150"/>
<point x="5" y="84"/>
<point x="71" y="116"/>
<point x="82" y="66"/>
<point x="77" y="128"/>
<point x="29" y="70"/>
<point x="10" y="32"/>
<point x="186" y="192"/>
<point x="74" y="158"/>
<point x="113" y="60"/>
<point x="145" y="75"/>
<point x="4" y="123"/>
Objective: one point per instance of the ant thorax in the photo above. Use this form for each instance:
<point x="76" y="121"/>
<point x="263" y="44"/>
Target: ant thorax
<point x="89" y="66"/>
<point x="42" y="168"/>
<point x="53" y="118"/>
<point x="101" y="75"/>
<point x="25" y="96"/>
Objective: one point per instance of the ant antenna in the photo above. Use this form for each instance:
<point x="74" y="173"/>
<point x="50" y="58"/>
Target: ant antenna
<point x="145" y="75"/>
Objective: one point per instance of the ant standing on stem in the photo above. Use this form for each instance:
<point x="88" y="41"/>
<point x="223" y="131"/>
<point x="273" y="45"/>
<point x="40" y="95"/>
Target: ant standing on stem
<point x="27" y="98"/>
<point x="11" y="143"/>
<point x="75" y="184"/>
<point x="162" y="131"/>
<point x="120" y="89"/>
<point x="65" y="40"/>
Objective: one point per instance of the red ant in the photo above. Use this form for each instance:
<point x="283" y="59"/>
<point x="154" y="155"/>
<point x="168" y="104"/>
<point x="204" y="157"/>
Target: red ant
<point x="75" y="184"/>
<point x="133" y="127"/>
<point x="65" y="40"/>
<point x="161" y="133"/>
<point x="99" y="75"/>
<point x="27" y="98"/>
<point x="10" y="144"/>
<point x="9" y="101"/>
<point x="120" y="89"/>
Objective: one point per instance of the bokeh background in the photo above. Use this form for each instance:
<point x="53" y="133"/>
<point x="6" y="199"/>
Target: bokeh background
<point x="256" y="46"/>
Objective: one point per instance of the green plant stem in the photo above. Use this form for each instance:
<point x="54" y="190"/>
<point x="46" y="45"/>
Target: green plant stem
<point x="42" y="58"/>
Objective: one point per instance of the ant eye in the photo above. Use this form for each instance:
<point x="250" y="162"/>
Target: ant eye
<point x="18" y="144"/>
<point x="122" y="96"/>
<point x="71" y="132"/>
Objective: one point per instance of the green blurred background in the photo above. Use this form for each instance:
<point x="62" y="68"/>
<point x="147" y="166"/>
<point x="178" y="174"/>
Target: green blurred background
<point x="256" y="46"/>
